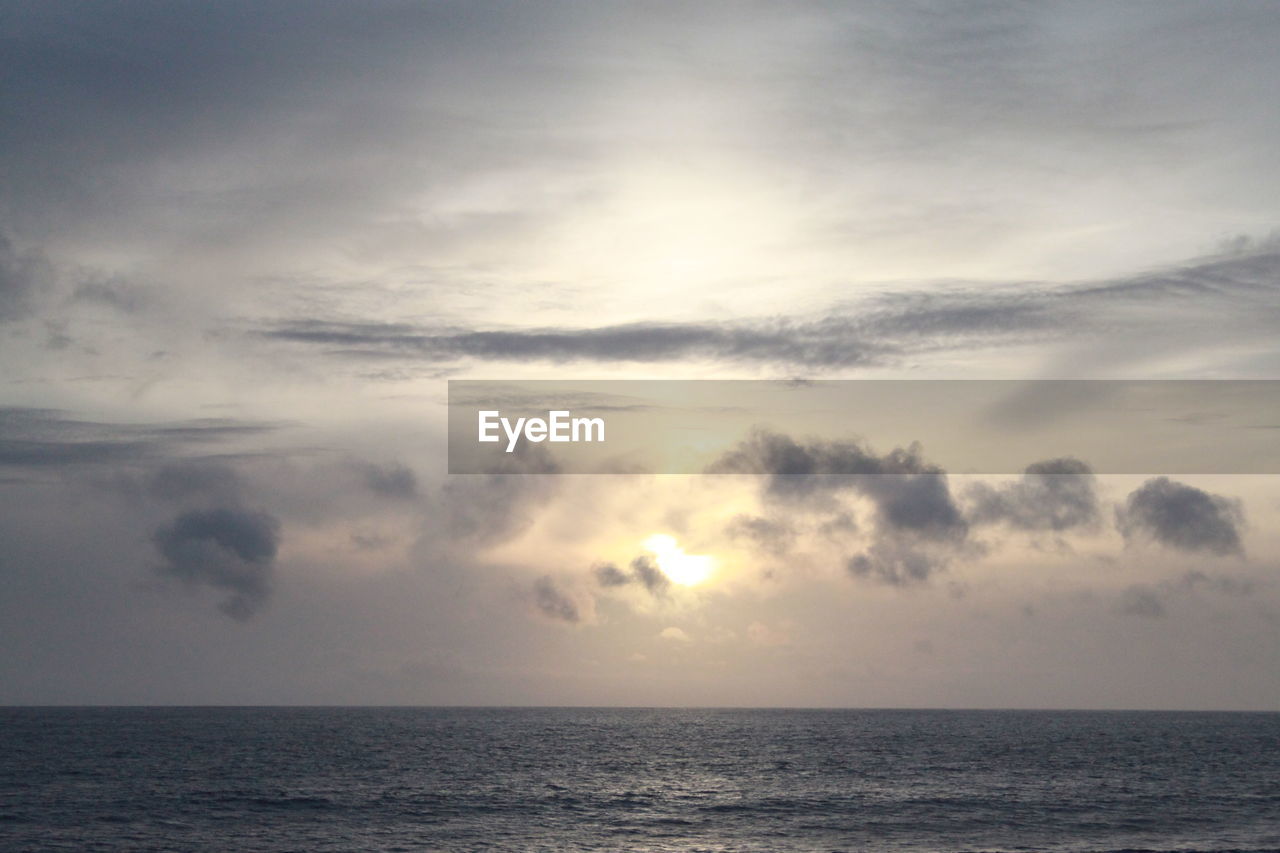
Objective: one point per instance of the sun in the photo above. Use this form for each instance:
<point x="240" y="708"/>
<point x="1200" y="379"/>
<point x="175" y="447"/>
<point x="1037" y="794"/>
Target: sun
<point x="684" y="569"/>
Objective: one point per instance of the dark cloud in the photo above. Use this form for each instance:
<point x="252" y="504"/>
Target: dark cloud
<point x="391" y="481"/>
<point x="1053" y="495"/>
<point x="643" y="571"/>
<point x="1182" y="517"/>
<point x="909" y="493"/>
<point x="554" y="604"/>
<point x="1186" y="295"/>
<point x="647" y="574"/>
<point x="830" y="342"/>
<point x="961" y="315"/>
<point x="919" y="526"/>
<point x="798" y="468"/>
<point x="920" y="503"/>
<point x="1246" y="276"/>
<point x="38" y="437"/>
<point x="228" y="549"/>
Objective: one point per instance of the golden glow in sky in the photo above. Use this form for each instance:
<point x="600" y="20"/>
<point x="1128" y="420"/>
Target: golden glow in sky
<point x="684" y="569"/>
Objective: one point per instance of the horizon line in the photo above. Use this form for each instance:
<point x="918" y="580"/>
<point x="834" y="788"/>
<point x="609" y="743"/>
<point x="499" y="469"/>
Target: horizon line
<point x="585" y="707"/>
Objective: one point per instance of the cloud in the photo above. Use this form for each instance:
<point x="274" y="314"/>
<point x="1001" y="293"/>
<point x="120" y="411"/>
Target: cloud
<point x="878" y="331"/>
<point x="1150" y="600"/>
<point x="609" y="575"/>
<point x="919" y="526"/>
<point x="32" y="437"/>
<point x="675" y="634"/>
<point x="469" y="183"/>
<point x="896" y="563"/>
<point x="774" y="535"/>
<point x="1141" y="600"/>
<point x="391" y="481"/>
<point x="228" y="549"/>
<point x="1217" y="583"/>
<point x="490" y="508"/>
<point x="1054" y="495"/>
<point x="797" y="468"/>
<point x="644" y="571"/>
<point x="826" y="342"/>
<point x="909" y="493"/>
<point x="919" y="503"/>
<point x="21" y="275"/>
<point x="180" y="481"/>
<point x="271" y="193"/>
<point x="1182" y="517"/>
<point x="838" y="526"/>
<point x="553" y="603"/>
<point x="647" y="574"/>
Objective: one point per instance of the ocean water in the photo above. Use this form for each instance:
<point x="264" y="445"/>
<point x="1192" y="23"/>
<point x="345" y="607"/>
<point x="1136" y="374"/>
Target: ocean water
<point x="400" y="779"/>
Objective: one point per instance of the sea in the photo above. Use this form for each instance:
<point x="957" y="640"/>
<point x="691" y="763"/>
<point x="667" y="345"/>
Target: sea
<point x="528" y="779"/>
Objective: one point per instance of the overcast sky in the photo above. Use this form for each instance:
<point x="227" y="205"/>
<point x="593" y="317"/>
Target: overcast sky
<point x="244" y="245"/>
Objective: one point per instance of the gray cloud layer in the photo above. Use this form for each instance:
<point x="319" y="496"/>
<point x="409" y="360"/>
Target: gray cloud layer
<point x="239" y="204"/>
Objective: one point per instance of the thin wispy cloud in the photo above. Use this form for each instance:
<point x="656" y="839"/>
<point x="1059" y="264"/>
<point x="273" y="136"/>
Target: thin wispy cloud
<point x="880" y="331"/>
<point x="46" y="437"/>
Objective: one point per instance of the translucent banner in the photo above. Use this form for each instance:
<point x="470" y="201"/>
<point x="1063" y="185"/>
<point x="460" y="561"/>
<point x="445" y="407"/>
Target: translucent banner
<point x="960" y="426"/>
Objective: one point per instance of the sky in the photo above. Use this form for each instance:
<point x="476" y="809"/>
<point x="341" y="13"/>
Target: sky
<point x="244" y="247"/>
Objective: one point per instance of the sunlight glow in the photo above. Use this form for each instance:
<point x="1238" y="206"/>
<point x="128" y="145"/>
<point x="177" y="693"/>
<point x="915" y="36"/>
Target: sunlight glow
<point x="684" y="569"/>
